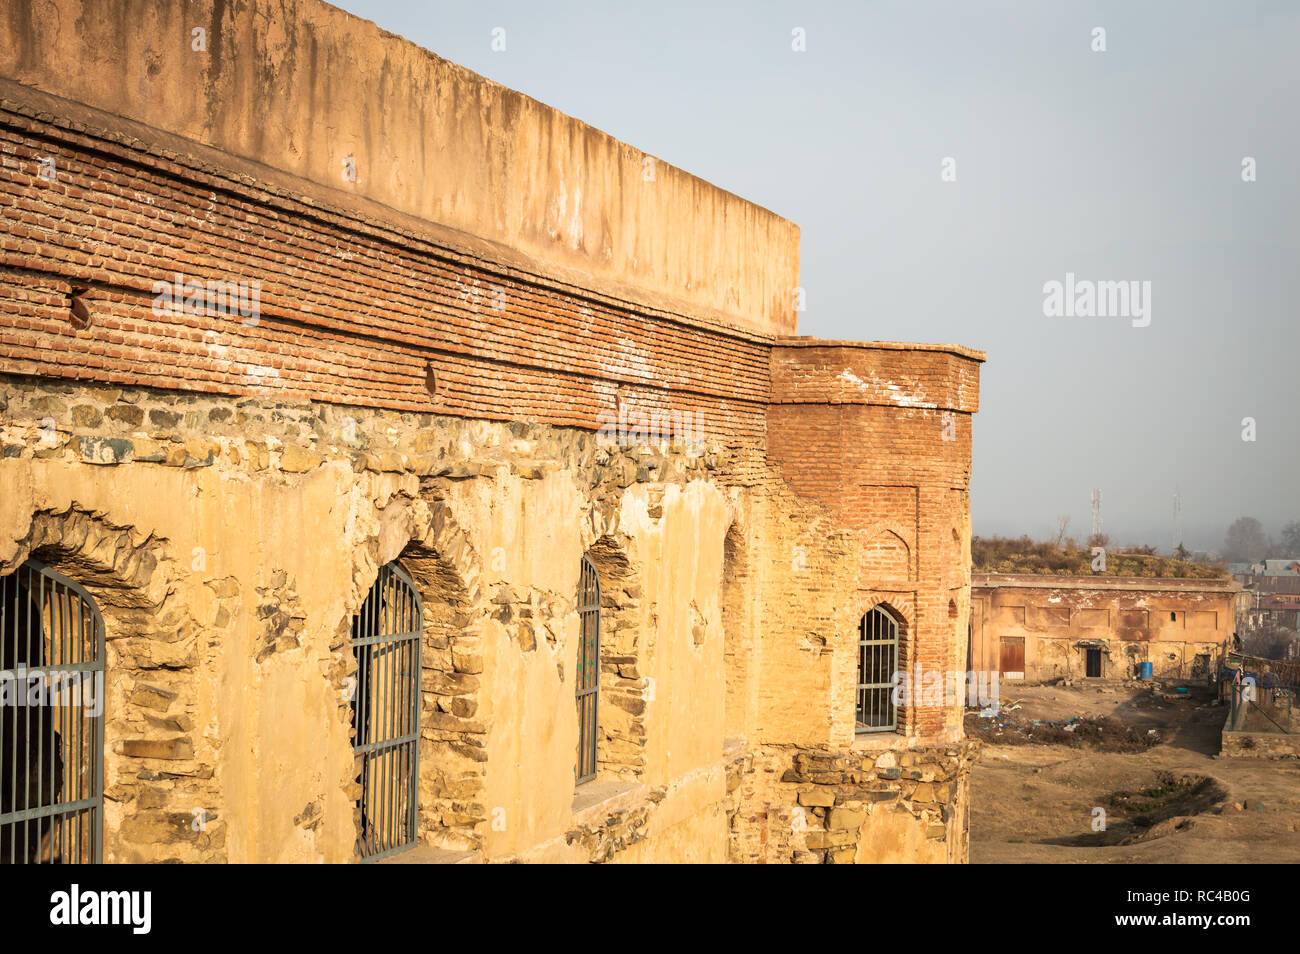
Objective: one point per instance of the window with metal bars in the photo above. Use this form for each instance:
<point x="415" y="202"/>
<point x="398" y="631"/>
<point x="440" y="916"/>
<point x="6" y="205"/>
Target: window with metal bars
<point x="51" y="719"/>
<point x="588" y="669"/>
<point x="877" y="663"/>
<point x="386" y="636"/>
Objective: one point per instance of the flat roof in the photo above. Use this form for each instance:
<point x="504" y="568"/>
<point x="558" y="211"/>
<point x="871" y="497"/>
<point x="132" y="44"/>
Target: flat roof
<point x="1043" y="581"/>
<point x="806" y="341"/>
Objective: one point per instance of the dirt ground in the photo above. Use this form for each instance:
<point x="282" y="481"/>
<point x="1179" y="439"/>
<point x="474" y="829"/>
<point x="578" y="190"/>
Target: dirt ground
<point x="1167" y="796"/>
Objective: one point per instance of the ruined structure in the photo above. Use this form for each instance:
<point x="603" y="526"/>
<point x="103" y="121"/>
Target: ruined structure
<point x="446" y="477"/>
<point x="1041" y="627"/>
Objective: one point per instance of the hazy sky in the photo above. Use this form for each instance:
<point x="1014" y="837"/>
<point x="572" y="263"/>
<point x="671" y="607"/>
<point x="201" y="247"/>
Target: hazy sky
<point x="1123" y="165"/>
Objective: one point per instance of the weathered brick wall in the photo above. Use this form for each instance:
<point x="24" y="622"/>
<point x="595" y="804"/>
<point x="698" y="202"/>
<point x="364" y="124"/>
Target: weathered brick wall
<point x="303" y="93"/>
<point x="352" y="312"/>
<point x="878" y="437"/>
<point x="869" y="447"/>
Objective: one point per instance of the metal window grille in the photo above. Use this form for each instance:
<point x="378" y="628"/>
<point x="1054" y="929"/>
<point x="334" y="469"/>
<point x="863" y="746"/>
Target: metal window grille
<point x="386" y="638"/>
<point x="877" y="663"/>
<point x="588" y="668"/>
<point x="51" y="719"/>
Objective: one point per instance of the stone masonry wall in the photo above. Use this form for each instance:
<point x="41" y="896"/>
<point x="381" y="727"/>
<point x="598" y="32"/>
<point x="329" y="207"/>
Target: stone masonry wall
<point x="266" y="601"/>
<point x="97" y="430"/>
<point x="853" y="807"/>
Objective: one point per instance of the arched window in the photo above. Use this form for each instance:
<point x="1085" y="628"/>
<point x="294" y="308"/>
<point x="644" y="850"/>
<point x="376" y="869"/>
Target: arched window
<point x="588" y="670"/>
<point x="877" y="663"/>
<point x="51" y="719"/>
<point x="386" y="636"/>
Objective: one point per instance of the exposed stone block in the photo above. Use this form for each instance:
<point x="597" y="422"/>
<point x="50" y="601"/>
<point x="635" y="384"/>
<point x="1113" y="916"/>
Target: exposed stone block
<point x="170" y="749"/>
<point x="843" y="818"/>
<point x="817" y="797"/>
<point x="153" y="697"/>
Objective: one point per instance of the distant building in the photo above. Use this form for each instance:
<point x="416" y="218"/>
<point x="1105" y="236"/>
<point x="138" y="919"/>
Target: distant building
<point x="1286" y="567"/>
<point x="1273" y="599"/>
<point x="1038" y="627"/>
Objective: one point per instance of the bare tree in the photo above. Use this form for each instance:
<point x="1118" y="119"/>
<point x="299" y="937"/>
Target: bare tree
<point x="1291" y="540"/>
<point x="1245" y="541"/>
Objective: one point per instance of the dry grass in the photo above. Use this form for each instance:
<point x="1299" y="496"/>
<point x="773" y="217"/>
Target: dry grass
<point x="1023" y="555"/>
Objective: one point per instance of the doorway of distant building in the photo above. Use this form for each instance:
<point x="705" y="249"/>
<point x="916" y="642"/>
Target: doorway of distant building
<point x="1093" y="663"/>
<point x="1013" y="657"/>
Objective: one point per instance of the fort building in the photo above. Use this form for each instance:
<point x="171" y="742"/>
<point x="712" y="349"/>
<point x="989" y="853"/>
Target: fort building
<point x="1040" y="627"/>
<point x="395" y="468"/>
